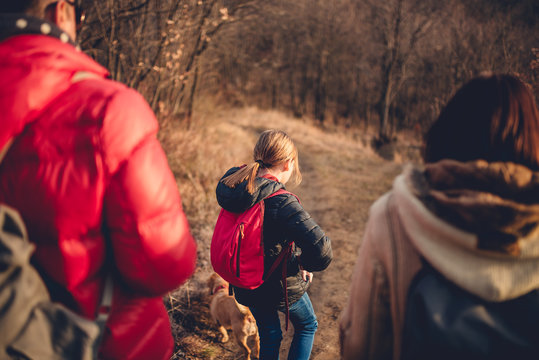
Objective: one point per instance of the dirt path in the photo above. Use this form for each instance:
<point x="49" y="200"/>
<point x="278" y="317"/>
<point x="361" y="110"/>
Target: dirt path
<point x="341" y="179"/>
<point x="341" y="182"/>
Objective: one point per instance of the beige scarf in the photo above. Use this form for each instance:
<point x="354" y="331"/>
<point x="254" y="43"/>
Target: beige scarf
<point x="477" y="223"/>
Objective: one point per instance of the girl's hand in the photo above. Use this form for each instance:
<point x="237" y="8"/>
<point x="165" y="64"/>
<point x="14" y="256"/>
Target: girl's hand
<point x="307" y="276"/>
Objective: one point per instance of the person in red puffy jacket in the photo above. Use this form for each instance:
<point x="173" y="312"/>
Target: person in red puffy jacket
<point x="90" y="179"/>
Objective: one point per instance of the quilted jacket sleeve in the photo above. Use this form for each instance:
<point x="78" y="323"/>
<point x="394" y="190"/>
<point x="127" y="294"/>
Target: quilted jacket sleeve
<point x="299" y="226"/>
<point x="152" y="247"/>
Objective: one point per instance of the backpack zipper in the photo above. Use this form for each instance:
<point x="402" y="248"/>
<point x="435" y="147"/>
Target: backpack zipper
<point x="241" y="236"/>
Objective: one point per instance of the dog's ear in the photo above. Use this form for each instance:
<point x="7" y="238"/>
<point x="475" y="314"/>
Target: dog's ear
<point x="211" y="282"/>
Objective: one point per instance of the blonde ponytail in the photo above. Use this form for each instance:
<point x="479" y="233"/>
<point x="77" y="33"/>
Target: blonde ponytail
<point x="247" y="172"/>
<point x="273" y="147"/>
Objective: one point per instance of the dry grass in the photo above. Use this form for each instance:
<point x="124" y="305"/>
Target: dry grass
<point x="198" y="157"/>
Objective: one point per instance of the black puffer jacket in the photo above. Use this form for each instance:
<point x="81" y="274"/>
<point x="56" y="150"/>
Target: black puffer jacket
<point x="285" y="220"/>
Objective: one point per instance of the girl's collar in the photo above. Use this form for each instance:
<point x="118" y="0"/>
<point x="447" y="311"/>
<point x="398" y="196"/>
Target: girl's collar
<point x="270" y="177"/>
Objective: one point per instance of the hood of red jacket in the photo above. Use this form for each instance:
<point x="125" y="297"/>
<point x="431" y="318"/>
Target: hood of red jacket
<point x="35" y="69"/>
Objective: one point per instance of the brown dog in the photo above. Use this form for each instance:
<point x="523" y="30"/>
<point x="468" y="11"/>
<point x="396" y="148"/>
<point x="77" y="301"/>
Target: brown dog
<point x="228" y="314"/>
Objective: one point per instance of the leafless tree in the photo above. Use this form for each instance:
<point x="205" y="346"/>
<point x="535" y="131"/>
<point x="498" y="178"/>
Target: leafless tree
<point x="392" y="63"/>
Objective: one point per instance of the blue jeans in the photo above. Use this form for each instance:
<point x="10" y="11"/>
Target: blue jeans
<point x="269" y="327"/>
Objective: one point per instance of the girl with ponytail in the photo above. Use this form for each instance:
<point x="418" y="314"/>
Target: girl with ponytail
<point x="275" y="162"/>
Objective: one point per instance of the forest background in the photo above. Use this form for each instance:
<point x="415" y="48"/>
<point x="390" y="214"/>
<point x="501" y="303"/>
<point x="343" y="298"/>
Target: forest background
<point x="391" y="64"/>
<point x="358" y="76"/>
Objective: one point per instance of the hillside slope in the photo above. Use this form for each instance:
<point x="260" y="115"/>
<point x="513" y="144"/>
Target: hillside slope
<point x="341" y="179"/>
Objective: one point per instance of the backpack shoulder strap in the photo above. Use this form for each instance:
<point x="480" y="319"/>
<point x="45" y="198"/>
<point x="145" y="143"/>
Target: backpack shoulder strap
<point x="5" y="149"/>
<point x="83" y="75"/>
<point x="280" y="192"/>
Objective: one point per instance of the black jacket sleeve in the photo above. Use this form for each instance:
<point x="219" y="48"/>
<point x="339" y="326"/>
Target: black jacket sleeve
<point x="295" y="224"/>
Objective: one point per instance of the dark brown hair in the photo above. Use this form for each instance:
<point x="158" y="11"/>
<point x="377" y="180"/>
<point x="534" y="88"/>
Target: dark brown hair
<point x="34" y="8"/>
<point x="492" y="117"/>
<point x="19" y="6"/>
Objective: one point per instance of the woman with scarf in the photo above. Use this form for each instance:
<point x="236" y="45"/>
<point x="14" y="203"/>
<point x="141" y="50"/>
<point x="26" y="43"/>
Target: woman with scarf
<point x="470" y="219"/>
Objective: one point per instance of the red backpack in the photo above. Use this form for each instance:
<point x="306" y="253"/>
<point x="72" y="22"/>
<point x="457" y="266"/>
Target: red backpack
<point x="237" y="247"/>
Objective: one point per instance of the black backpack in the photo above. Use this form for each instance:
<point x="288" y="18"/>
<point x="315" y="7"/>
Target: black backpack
<point x="31" y="325"/>
<point x="445" y="322"/>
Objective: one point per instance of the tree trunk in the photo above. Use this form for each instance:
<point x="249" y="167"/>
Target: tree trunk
<point x="189" y="114"/>
<point x="384" y="133"/>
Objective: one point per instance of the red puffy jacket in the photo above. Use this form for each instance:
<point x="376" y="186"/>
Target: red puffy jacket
<point x="95" y="190"/>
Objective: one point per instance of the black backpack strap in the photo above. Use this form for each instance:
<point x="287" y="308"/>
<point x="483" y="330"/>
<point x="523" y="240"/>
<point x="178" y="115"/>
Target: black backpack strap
<point x="283" y="257"/>
<point x="285" y="287"/>
<point x="285" y="254"/>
